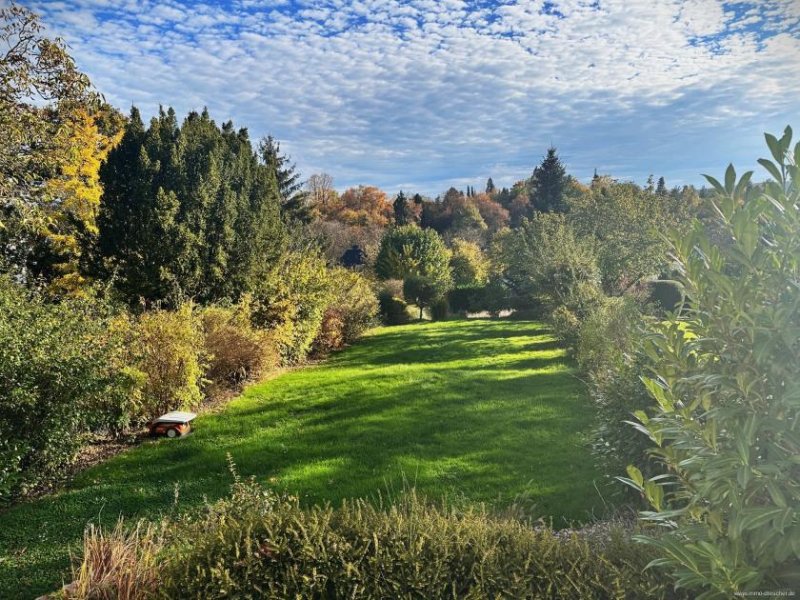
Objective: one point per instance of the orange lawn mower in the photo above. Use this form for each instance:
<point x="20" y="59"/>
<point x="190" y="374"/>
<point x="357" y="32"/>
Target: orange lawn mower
<point x="174" y="424"/>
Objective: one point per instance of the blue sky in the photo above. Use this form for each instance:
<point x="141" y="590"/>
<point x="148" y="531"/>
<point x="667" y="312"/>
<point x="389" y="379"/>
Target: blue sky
<point x="424" y="94"/>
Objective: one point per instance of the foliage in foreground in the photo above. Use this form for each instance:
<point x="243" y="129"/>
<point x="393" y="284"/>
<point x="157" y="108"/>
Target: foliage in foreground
<point x="62" y="371"/>
<point x="727" y="393"/>
<point x="257" y="543"/>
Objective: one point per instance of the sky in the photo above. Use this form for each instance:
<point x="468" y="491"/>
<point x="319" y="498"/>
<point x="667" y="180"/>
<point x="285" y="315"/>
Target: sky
<point x="420" y="95"/>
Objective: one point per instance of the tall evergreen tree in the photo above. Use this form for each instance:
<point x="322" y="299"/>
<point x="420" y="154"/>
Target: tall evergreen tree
<point x="402" y="212"/>
<point x="294" y="205"/>
<point x="548" y="182"/>
<point x="661" y="188"/>
<point x="186" y="211"/>
<point x="490" y="187"/>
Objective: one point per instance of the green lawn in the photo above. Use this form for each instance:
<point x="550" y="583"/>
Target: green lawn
<point x="484" y="410"/>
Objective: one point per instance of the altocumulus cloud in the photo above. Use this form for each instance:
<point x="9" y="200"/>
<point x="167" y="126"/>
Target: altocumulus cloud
<point x="422" y="94"/>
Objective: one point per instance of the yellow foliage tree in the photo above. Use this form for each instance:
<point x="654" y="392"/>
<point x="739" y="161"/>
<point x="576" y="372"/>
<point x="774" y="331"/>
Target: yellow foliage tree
<point x="74" y="193"/>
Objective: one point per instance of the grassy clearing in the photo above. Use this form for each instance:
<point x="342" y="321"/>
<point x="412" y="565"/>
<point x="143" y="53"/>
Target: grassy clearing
<point x="475" y="410"/>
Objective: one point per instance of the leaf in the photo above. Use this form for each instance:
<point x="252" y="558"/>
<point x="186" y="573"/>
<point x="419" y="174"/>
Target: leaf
<point x="775" y="148"/>
<point x="741" y="187"/>
<point x="730" y="179"/>
<point x="636" y="475"/>
<point x="715" y="184"/>
<point x="773" y="170"/>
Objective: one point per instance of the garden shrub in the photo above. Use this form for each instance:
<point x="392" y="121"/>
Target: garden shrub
<point x="727" y="395"/>
<point x="466" y="299"/>
<point x="291" y="301"/>
<point x="169" y="351"/>
<point x="392" y="309"/>
<point x="62" y="374"/>
<point x="469" y="265"/>
<point x="257" y="543"/>
<point x="666" y="294"/>
<point x="235" y="350"/>
<point x="353" y="309"/>
<point x="608" y="352"/>
<point x="439" y="310"/>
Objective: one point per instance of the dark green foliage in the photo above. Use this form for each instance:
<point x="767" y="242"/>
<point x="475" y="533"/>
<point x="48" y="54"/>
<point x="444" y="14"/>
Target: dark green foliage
<point x="403" y="214"/>
<point x="667" y="295"/>
<point x="467" y="299"/>
<point x="547" y="184"/>
<point x="186" y="211"/>
<point x="392" y="310"/>
<point x="61" y="375"/>
<point x="421" y="291"/>
<point x="439" y="309"/>
<point x="260" y="541"/>
<point x="490" y="187"/>
<point x="661" y="188"/>
<point x="294" y="200"/>
<point x="725" y="390"/>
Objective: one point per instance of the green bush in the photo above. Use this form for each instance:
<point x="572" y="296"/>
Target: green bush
<point x="468" y="263"/>
<point x="667" y="295"/>
<point x="291" y="301"/>
<point x="353" y="309"/>
<point x="439" y="310"/>
<point x="392" y="310"/>
<point x="609" y="356"/>
<point x="169" y="351"/>
<point x="234" y="349"/>
<point x="727" y="393"/>
<point x="257" y="543"/>
<point x="62" y="374"/>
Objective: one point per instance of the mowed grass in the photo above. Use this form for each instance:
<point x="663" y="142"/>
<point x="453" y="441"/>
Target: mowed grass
<point x="477" y="411"/>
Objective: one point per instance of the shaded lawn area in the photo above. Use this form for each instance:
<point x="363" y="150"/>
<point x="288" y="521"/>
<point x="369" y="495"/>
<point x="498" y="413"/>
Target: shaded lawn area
<point x="482" y="410"/>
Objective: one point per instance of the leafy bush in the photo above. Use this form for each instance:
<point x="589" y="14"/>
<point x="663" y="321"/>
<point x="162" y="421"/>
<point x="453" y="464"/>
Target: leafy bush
<point x="352" y="310"/>
<point x="258" y="543"/>
<point x="727" y="394"/>
<point x="409" y="250"/>
<point x="393" y="310"/>
<point x="292" y="301"/>
<point x="439" y="310"/>
<point x="169" y="351"/>
<point x="62" y="373"/>
<point x="609" y="355"/>
<point x="466" y="299"/>
<point x="667" y="295"/>
<point x="235" y="350"/>
<point x="469" y="264"/>
<point x="544" y="264"/>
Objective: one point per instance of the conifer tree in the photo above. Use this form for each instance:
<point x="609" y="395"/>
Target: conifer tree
<point x="661" y="188"/>
<point x="187" y="211"/>
<point x="402" y="212"/>
<point x="294" y="206"/>
<point x="490" y="187"/>
<point x="547" y="184"/>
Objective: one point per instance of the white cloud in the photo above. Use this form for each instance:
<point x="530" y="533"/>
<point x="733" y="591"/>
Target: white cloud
<point x="388" y="91"/>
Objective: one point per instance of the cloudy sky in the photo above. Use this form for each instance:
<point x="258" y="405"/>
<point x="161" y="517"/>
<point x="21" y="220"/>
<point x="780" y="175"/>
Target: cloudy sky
<point x="422" y="94"/>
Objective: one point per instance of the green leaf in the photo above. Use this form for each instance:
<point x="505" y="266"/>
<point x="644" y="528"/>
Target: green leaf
<point x="635" y="474"/>
<point x="741" y="187"/>
<point x="730" y="179"/>
<point x="775" y="148"/>
<point x="773" y="170"/>
<point x="715" y="184"/>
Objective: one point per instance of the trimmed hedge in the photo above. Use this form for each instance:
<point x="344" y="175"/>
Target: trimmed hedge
<point x="257" y="544"/>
